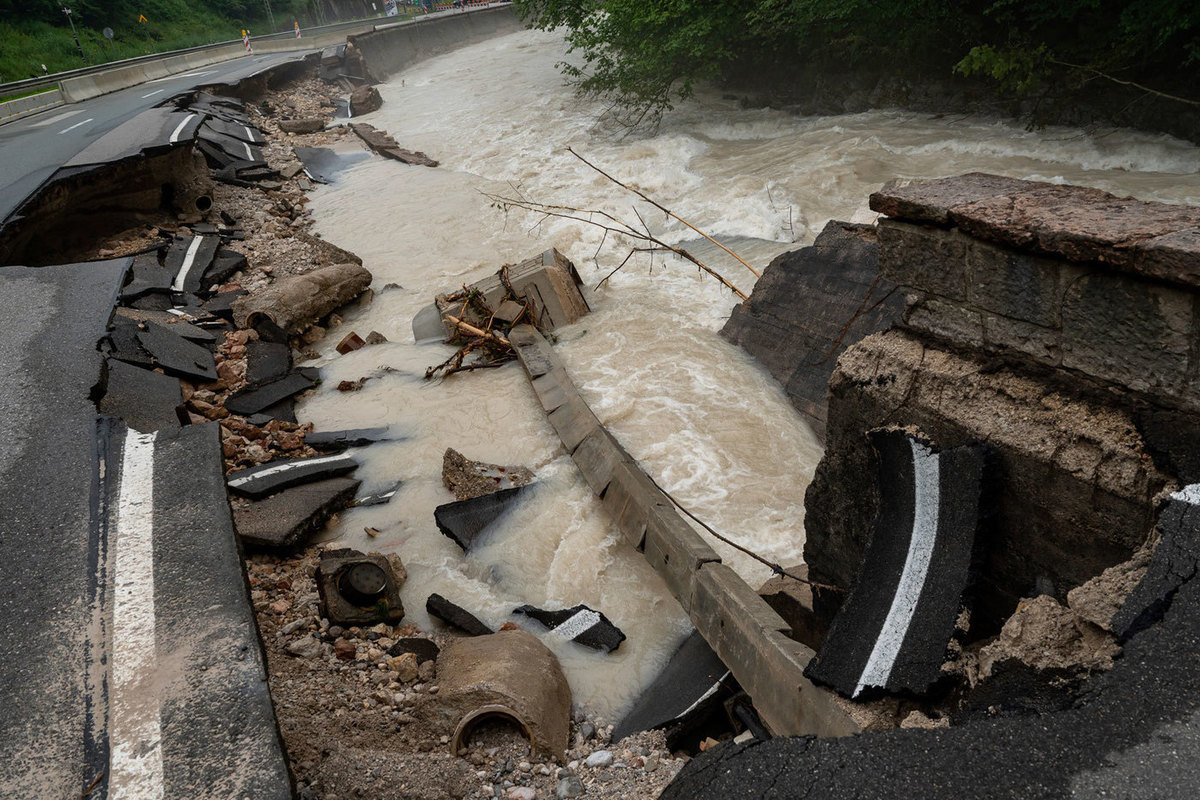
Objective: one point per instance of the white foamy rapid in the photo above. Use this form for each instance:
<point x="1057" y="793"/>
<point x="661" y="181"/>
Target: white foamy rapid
<point x="704" y="420"/>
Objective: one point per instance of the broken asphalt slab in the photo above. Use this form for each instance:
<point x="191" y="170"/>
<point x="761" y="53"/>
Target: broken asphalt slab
<point x="323" y="165"/>
<point x="289" y="518"/>
<point x="258" y="482"/>
<point x="578" y="624"/>
<point x="891" y="633"/>
<point x="464" y="520"/>
<point x="188" y="258"/>
<point x="333" y="441"/>
<point x="455" y="616"/>
<point x="144" y="400"/>
<point x="690" y="680"/>
<point x="254" y="399"/>
<point x="176" y="355"/>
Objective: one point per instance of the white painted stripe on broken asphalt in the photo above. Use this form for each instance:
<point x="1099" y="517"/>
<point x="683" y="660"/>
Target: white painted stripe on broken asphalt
<point x="235" y="482"/>
<point x="156" y="91"/>
<point x="926" y="505"/>
<point x="76" y="125"/>
<point x="178" y="130"/>
<point x="189" y="261"/>
<point x="1189" y="494"/>
<point x="579" y="622"/>
<point x="135" y="718"/>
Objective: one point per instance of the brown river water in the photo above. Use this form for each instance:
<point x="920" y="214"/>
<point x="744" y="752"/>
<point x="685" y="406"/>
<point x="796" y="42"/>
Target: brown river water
<point x="704" y="420"/>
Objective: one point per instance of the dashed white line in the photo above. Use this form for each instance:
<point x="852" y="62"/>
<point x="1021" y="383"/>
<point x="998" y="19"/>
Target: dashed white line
<point x="156" y="91"/>
<point x="926" y="506"/>
<point x="76" y="125"/>
<point x="189" y="261"/>
<point x="182" y="125"/>
<point x="135" y="724"/>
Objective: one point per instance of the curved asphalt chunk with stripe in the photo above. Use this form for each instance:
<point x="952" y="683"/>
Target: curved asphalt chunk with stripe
<point x="1134" y="733"/>
<point x="129" y="660"/>
<point x="891" y="633"/>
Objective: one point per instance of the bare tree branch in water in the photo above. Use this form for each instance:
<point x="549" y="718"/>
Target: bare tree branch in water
<point x="641" y="238"/>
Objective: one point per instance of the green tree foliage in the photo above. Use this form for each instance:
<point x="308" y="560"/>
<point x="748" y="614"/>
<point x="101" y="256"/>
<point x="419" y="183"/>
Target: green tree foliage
<point x="644" y="54"/>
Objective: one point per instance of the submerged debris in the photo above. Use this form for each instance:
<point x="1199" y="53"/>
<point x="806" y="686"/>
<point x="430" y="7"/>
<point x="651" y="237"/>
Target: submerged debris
<point x="469" y="479"/>
<point x="542" y="291"/>
<point x="579" y="624"/>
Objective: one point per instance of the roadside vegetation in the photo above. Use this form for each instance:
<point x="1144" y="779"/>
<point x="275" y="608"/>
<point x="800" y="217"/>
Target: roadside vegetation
<point x="36" y="33"/>
<point x="646" y="55"/>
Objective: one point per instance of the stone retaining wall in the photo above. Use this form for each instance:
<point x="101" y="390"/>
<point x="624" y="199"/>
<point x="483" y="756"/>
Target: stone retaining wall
<point x="1056" y="324"/>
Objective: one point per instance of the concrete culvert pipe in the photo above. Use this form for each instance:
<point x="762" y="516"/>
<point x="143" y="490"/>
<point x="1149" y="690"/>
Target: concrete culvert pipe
<point x="203" y="203"/>
<point x="510" y="675"/>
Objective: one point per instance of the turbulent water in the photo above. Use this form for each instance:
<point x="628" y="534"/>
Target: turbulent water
<point x="703" y="419"/>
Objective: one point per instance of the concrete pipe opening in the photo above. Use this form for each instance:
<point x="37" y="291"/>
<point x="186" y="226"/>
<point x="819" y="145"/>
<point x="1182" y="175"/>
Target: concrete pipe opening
<point x="493" y="712"/>
<point x="203" y="203"/>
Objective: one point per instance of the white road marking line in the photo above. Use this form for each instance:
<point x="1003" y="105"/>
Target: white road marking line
<point x="249" y="152"/>
<point x="135" y="722"/>
<point x="55" y="119"/>
<point x="156" y="91"/>
<point x="711" y="691"/>
<point x="76" y="125"/>
<point x="235" y="482"/>
<point x="249" y="133"/>
<point x="1189" y="494"/>
<point x="182" y="125"/>
<point x="189" y="261"/>
<point x="926" y="505"/>
<point x="578" y="623"/>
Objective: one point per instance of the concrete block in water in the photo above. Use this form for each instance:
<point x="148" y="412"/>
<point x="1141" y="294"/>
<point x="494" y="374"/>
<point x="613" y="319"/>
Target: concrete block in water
<point x="629" y="499"/>
<point x="892" y="631"/>
<point x="455" y="616"/>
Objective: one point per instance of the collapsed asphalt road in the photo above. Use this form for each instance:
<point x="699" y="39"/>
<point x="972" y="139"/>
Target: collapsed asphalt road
<point x="34" y="147"/>
<point x="116" y="544"/>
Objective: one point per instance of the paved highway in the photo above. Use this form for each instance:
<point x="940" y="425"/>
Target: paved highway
<point x="33" y="147"/>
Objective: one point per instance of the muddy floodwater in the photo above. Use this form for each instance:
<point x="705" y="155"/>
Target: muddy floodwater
<point x="704" y="420"/>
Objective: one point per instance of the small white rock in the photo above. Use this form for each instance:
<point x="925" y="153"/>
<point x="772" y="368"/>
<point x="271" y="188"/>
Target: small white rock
<point x="600" y="758"/>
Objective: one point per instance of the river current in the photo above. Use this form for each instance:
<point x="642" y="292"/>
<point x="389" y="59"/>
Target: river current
<point x="705" y="420"/>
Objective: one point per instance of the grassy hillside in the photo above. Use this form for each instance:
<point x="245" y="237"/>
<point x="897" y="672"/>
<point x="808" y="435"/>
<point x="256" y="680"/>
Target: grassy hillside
<point x="37" y="33"/>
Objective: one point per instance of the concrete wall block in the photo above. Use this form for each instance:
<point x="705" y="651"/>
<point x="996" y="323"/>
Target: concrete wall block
<point x="1040" y="343"/>
<point x="629" y="499"/>
<point x="1015" y="285"/>
<point x="943" y="320"/>
<point x="722" y="601"/>
<point x="574" y="422"/>
<point x="676" y="551"/>
<point x="1132" y="332"/>
<point x="552" y="389"/>
<point x="925" y="259"/>
<point x="597" y="456"/>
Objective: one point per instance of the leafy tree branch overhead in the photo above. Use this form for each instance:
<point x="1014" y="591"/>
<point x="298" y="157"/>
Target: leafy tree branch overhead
<point x="645" y="55"/>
